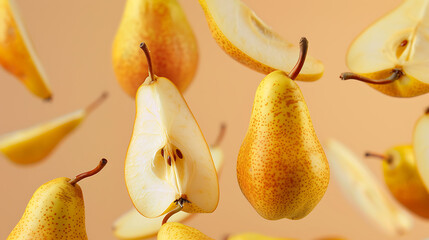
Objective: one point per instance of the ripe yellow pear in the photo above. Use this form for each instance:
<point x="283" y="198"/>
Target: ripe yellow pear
<point x="56" y="211"/>
<point x="247" y="39"/>
<point x="363" y="190"/>
<point x="16" y="52"/>
<point x="133" y="226"/>
<point x="281" y="167"/>
<point x="168" y="164"/>
<point x="33" y="144"/>
<point x="163" y="26"/>
<point x="253" y="236"/>
<point x="403" y="179"/>
<point x="391" y="54"/>
<point x="178" y="231"/>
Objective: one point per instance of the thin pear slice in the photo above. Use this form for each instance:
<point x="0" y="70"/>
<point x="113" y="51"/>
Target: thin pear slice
<point x="17" y="54"/>
<point x="243" y="35"/>
<point x="132" y="225"/>
<point x="33" y="144"/>
<point x="396" y="42"/>
<point x="421" y="147"/>
<point x="168" y="163"/>
<point x="364" y="191"/>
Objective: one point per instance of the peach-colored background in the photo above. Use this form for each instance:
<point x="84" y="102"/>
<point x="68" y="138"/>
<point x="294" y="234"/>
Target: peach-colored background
<point x="73" y="40"/>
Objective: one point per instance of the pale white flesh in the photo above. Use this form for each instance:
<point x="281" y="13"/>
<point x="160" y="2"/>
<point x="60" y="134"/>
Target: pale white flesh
<point x="421" y="148"/>
<point x="252" y="36"/>
<point x="132" y="225"/>
<point x="359" y="185"/>
<point x="164" y="121"/>
<point x="375" y="49"/>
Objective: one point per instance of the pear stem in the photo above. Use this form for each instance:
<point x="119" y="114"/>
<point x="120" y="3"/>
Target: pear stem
<point x="303" y="46"/>
<point x="220" y="135"/>
<point x="383" y="157"/>
<point x="97" y="169"/>
<point x="396" y="74"/>
<point x="427" y="111"/>
<point x="146" y="51"/>
<point x="174" y="211"/>
<point x="97" y="102"/>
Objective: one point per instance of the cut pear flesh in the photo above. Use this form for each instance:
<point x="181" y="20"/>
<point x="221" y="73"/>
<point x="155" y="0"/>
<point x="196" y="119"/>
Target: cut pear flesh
<point x="168" y="159"/>
<point x="363" y="190"/>
<point x="243" y="35"/>
<point x="132" y="225"/>
<point x="421" y="148"/>
<point x="398" y="40"/>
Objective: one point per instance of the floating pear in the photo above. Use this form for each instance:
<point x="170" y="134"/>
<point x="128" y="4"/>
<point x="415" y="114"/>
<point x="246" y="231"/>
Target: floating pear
<point x="281" y="167"/>
<point x="56" y="211"/>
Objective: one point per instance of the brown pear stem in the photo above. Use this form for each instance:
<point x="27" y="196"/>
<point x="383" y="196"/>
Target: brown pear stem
<point x="303" y="46"/>
<point x="178" y="208"/>
<point x="427" y="110"/>
<point x="383" y="157"/>
<point x="146" y="51"/>
<point x="97" y="169"/>
<point x="396" y="74"/>
<point x="97" y="102"/>
<point x="220" y="135"/>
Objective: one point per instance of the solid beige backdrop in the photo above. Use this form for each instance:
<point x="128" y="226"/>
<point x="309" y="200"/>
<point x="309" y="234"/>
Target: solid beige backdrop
<point x="73" y="40"/>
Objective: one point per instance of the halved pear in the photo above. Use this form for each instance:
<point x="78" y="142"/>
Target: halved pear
<point x="17" y="54"/>
<point x="359" y="185"/>
<point x="33" y="144"/>
<point x="421" y="147"/>
<point x="132" y="225"/>
<point x="247" y="39"/>
<point x="168" y="163"/>
<point x="394" y="51"/>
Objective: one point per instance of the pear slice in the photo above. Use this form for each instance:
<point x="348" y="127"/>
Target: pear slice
<point x="17" y="54"/>
<point x="33" y="144"/>
<point x="393" y="51"/>
<point x="243" y="35"/>
<point x="132" y="225"/>
<point x="168" y="163"/>
<point x="364" y="191"/>
<point x="421" y="147"/>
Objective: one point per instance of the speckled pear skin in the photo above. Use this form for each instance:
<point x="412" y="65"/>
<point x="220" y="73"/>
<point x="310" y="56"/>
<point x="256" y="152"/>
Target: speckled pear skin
<point x="281" y="168"/>
<point x="178" y="231"/>
<point x="56" y="211"/>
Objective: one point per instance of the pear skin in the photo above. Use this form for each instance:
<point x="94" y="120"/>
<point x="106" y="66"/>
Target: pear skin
<point x="16" y="53"/>
<point x="254" y="236"/>
<point x="178" y="231"/>
<point x="404" y="181"/>
<point x="281" y="169"/>
<point x="163" y="26"/>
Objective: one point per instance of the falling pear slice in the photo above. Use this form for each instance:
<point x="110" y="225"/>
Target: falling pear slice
<point x="363" y="190"/>
<point x="33" y="144"/>
<point x="243" y="35"/>
<point x="421" y="147"/>
<point x="168" y="163"/>
<point x="16" y="52"/>
<point x="391" y="54"/>
<point x="132" y="225"/>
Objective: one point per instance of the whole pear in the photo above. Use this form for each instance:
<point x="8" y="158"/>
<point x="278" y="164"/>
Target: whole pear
<point x="403" y="179"/>
<point x="163" y="26"/>
<point x="56" y="211"/>
<point x="282" y="168"/>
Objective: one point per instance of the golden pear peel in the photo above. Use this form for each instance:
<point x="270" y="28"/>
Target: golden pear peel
<point x="281" y="168"/>
<point x="253" y="236"/>
<point x="55" y="211"/>
<point x="403" y="179"/>
<point x="247" y="39"/>
<point x="163" y="26"/>
<point x="178" y="231"/>
<point x="16" y="52"/>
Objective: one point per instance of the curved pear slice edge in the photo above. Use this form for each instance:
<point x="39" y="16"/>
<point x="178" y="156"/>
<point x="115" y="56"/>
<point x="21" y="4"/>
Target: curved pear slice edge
<point x="361" y="188"/>
<point x="421" y="148"/>
<point x="251" y="42"/>
<point x="165" y="126"/>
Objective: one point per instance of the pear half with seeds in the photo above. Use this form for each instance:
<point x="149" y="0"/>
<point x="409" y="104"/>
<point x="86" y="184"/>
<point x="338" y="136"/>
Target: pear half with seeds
<point x="392" y="54"/>
<point x="168" y="163"/>
<point x="247" y="39"/>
